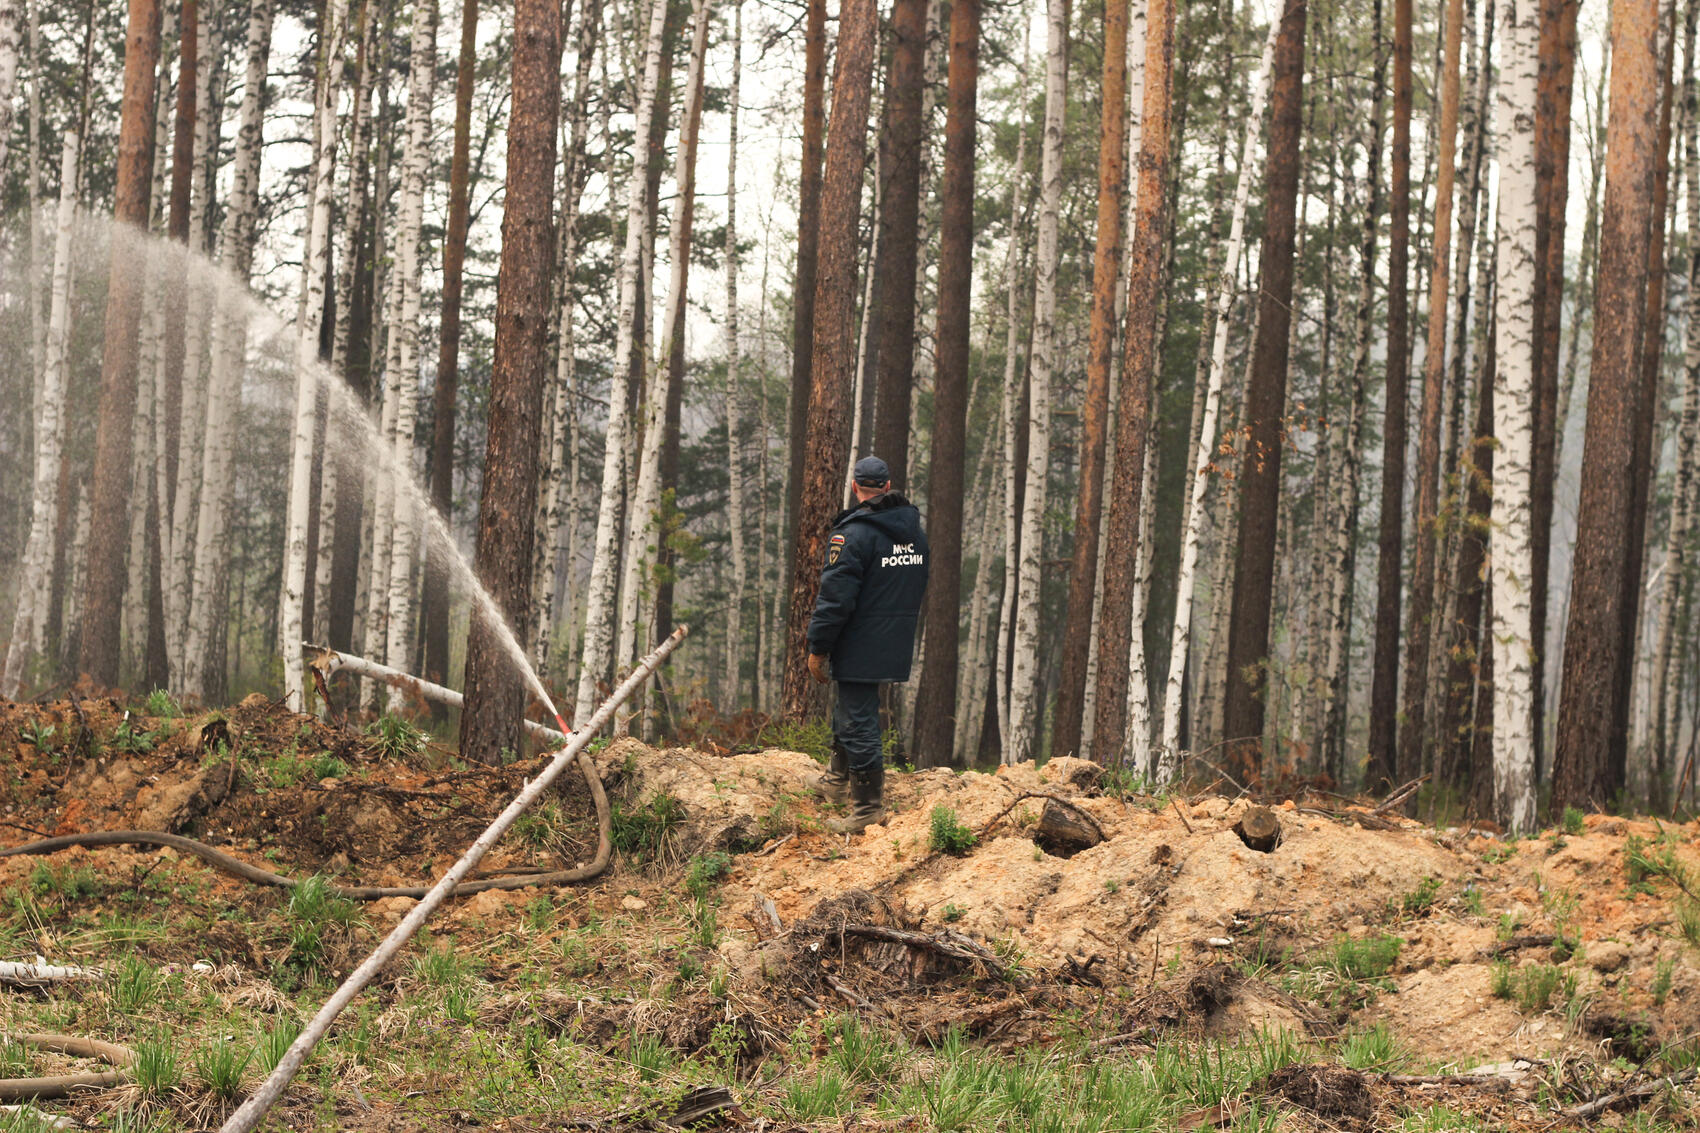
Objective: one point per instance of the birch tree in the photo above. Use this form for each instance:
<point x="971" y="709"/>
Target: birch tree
<point x="29" y="621"/>
<point x="236" y="239"/>
<point x="422" y="72"/>
<point x="9" y="44"/>
<point x="605" y="560"/>
<point x="1010" y="416"/>
<point x="1191" y="537"/>
<point x="734" y="422"/>
<point x="1513" y="391"/>
<point x="290" y="607"/>
<point x="1022" y="741"/>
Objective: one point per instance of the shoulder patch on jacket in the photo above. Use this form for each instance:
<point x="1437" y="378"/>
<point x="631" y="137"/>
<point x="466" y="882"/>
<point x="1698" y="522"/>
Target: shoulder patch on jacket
<point x="839" y="538"/>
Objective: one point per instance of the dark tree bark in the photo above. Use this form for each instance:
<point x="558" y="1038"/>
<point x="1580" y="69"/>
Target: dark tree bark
<point x="435" y="610"/>
<point x="1140" y="351"/>
<point x="350" y="508"/>
<point x="1067" y="722"/>
<point x="1552" y="187"/>
<point x="495" y="693"/>
<point x="1471" y="648"/>
<point x="803" y="287"/>
<point x="1384" y="680"/>
<point x="900" y="213"/>
<point x="935" y="704"/>
<point x="827" y="440"/>
<point x="109" y="520"/>
<point x="1593" y="640"/>
<point x="1260" y="471"/>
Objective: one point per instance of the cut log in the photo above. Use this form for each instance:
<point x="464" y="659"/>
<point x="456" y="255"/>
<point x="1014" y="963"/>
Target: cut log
<point x="1259" y="829"/>
<point x="1063" y="831"/>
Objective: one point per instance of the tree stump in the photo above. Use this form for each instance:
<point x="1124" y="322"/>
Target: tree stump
<point x="1063" y="832"/>
<point x="1259" y="829"/>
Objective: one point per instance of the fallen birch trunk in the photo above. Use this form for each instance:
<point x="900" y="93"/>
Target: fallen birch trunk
<point x="42" y="974"/>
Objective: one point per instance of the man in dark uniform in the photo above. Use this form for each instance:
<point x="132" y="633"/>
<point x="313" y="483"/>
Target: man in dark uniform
<point x="863" y="632"/>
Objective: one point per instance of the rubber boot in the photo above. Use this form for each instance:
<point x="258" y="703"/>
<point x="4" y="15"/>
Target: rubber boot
<point x="833" y="784"/>
<point x="867" y="794"/>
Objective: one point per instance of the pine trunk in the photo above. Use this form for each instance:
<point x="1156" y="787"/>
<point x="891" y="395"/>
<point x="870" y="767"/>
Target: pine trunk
<point x="834" y="323"/>
<point x="103" y="583"/>
<point x="1260" y="472"/>
<point x="496" y="694"/>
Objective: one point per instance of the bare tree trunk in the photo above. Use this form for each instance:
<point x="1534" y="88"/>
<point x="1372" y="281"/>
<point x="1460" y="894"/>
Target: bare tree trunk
<point x="1413" y="738"/>
<point x="1593" y="645"/>
<point x="9" y="39"/>
<point x="1384" y="686"/>
<point x="495" y="692"/>
<point x="29" y="621"/>
<point x="1010" y="417"/>
<point x="1205" y="444"/>
<point x="834" y="331"/>
<point x="605" y="561"/>
<point x="936" y="704"/>
<point x="110" y="501"/>
<point x="1260" y="474"/>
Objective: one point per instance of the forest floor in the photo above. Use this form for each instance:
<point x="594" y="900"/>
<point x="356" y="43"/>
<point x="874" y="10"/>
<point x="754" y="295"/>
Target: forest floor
<point x="959" y="968"/>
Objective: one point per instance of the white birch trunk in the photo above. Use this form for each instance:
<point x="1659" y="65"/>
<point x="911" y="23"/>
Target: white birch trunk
<point x="1022" y="742"/>
<point x="9" y="44"/>
<point x="1180" y="641"/>
<point x="730" y="694"/>
<point x="1138" y="684"/>
<point x="1509" y="554"/>
<point x="643" y="519"/>
<point x="422" y="70"/>
<point x="599" y="596"/>
<point x="224" y="391"/>
<point x="1011" y="416"/>
<point x="290" y="629"/>
<point x="38" y="233"/>
<point x="29" y="621"/>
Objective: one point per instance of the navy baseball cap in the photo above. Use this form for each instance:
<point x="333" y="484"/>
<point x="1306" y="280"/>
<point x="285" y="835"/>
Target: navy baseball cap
<point x="871" y="472"/>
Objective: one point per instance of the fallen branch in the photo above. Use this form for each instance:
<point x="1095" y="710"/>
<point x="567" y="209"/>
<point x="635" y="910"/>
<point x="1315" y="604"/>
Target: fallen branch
<point x="41" y="975"/>
<point x="61" y="1085"/>
<point x="952" y="945"/>
<point x="1635" y="1094"/>
<point x="1528" y="940"/>
<point x="254" y="1109"/>
<point x="326" y="661"/>
<point x="1399" y="795"/>
<point x="1497" y="1083"/>
<point x="1025" y="795"/>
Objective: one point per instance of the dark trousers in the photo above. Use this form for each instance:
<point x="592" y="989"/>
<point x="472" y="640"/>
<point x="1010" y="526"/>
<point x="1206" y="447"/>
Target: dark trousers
<point x="856" y="724"/>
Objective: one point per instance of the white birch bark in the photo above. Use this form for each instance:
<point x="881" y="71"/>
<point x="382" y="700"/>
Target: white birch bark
<point x="643" y="518"/>
<point x="559" y="499"/>
<point x="9" y="44"/>
<point x="29" y="621"/>
<point x="1138" y="683"/>
<point x="1011" y="415"/>
<point x="410" y="216"/>
<point x="290" y="629"/>
<point x="730" y="694"/>
<point x="1509" y="554"/>
<point x="971" y="686"/>
<point x="38" y="234"/>
<point x="1180" y="641"/>
<point x="599" y="592"/>
<point x="1022" y="742"/>
<point x="224" y="389"/>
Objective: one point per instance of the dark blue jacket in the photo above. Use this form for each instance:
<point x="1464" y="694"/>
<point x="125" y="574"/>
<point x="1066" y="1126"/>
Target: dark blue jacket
<point x="870" y="590"/>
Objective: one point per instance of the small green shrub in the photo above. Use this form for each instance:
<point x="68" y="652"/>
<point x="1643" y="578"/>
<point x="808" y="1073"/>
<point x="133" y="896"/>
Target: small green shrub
<point x="947" y="834"/>
<point x="128" y="737"/>
<point x="38" y="735"/>
<point x="1662" y="980"/>
<point x="1572" y="821"/>
<point x="1421" y="899"/>
<point x="137" y="985"/>
<point x="859" y="1051"/>
<point x="1501" y="982"/>
<point x="161" y="703"/>
<point x="66" y="881"/>
<point x="219" y="1069"/>
<point x="705" y="924"/>
<point x="1369" y="958"/>
<point x="1532" y="988"/>
<point x="1474" y="903"/>
<point x="392" y="738"/>
<point x="811" y="737"/>
<point x="705" y="872"/>
<point x="641" y="832"/>
<point x="156" y="1071"/>
<point x="952" y="913"/>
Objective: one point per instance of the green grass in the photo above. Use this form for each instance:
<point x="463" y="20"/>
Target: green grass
<point x="393" y="738"/>
<point x="706" y="872"/>
<point x="131" y="738"/>
<point x="1572" y="821"/>
<point x="946" y="833"/>
<point x="161" y="703"/>
<point x="157" y="1070"/>
<point x="1374" y="1049"/>
<point x="1369" y="958"/>
<point x="642" y="832"/>
<point x="1534" y="987"/>
<point x="219" y="1068"/>
<point x="811" y="737"/>
<point x="55" y="879"/>
<point x="1420" y="900"/>
<point x="137" y="985"/>
<point x="274" y="1043"/>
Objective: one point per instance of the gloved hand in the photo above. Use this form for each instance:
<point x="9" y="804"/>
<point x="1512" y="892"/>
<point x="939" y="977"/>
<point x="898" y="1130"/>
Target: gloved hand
<point x="817" y="668"/>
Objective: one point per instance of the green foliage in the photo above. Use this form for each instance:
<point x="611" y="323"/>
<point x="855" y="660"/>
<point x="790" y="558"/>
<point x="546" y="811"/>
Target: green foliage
<point x="219" y="1069"/>
<point x="1533" y="987"/>
<point x="649" y="1056"/>
<point x="64" y="881"/>
<point x="156" y="1071"/>
<point x="441" y="967"/>
<point x="811" y="737"/>
<point x="947" y="834"/>
<point x="130" y="738"/>
<point x="951" y="913"/>
<point x="1420" y="900"/>
<point x="705" y="872"/>
<point x="314" y="909"/>
<point x="1662" y="979"/>
<point x="14" y="1062"/>
<point x="1643" y="863"/>
<point x="543" y="827"/>
<point x="137" y="985"/>
<point x="1474" y="903"/>
<point x="161" y="703"/>
<point x="1572" y="821"/>
<point x="825" y="1094"/>
<point x="286" y="770"/>
<point x="1122" y="783"/>
<point x="38" y="735"/>
<point x="641" y="831"/>
<point x="1374" y="1049"/>
<point x="705" y="924"/>
<point x="859" y="1051"/>
<point x="391" y="737"/>
<point x="1369" y="958"/>
<point x="275" y="1042"/>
